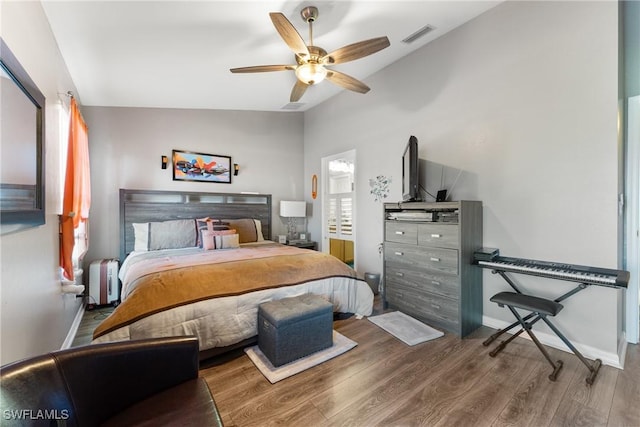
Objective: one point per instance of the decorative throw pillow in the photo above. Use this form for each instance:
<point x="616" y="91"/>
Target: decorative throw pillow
<point x="224" y="232"/>
<point x="208" y="240"/>
<point x="246" y="227"/>
<point x="211" y="225"/>
<point x="227" y="241"/>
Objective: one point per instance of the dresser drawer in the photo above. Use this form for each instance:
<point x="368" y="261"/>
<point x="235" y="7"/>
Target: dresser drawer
<point x="423" y="280"/>
<point x="433" y="259"/>
<point x="401" y="232"/>
<point x="442" y="310"/>
<point x="438" y="235"/>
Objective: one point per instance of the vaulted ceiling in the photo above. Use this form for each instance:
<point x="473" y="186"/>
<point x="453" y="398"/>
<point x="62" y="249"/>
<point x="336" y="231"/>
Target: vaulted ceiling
<point x="177" y="54"/>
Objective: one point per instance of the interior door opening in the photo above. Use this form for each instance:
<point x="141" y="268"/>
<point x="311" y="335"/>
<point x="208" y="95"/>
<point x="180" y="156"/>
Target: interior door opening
<point x="343" y="250"/>
<point x="338" y="216"/>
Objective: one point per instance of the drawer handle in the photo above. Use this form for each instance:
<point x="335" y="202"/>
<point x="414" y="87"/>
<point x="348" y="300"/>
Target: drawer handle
<point x="436" y="236"/>
<point x="435" y="282"/>
<point x="400" y="232"/>
<point x="436" y="306"/>
<point x="399" y="253"/>
<point x="434" y="259"/>
<point x="400" y="274"/>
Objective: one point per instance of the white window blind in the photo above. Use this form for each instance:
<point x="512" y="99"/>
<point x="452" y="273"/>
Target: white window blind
<point x="346" y="216"/>
<point x="340" y="216"/>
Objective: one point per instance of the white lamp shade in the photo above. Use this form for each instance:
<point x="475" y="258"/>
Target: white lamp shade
<point x="293" y="209"/>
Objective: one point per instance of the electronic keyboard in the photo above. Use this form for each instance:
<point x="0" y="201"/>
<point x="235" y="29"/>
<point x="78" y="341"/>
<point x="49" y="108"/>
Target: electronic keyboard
<point x="554" y="270"/>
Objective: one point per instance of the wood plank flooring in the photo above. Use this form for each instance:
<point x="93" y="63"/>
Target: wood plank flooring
<point x="90" y="320"/>
<point x="445" y="382"/>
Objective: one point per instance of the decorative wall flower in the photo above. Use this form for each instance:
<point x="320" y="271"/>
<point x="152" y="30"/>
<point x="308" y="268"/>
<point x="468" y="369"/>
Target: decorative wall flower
<point x="380" y="187"/>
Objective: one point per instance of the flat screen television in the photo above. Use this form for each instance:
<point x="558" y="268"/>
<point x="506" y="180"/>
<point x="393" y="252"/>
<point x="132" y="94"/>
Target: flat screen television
<point x="410" y="185"/>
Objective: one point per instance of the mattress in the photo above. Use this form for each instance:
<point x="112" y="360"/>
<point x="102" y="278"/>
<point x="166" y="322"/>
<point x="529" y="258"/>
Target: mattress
<point x="215" y="295"/>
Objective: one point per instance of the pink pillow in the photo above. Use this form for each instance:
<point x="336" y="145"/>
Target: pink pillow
<point x="209" y="240"/>
<point x="208" y="224"/>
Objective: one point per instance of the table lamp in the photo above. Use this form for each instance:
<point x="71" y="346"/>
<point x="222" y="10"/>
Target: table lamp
<point x="292" y="210"/>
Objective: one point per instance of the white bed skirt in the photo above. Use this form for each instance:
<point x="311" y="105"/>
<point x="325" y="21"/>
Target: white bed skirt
<point x="225" y="321"/>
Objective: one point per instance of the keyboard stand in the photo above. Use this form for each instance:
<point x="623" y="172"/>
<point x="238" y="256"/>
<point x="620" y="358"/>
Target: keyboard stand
<point x="540" y="308"/>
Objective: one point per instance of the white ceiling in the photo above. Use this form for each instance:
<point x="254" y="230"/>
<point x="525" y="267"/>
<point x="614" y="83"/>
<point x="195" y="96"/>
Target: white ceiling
<point x="177" y="54"/>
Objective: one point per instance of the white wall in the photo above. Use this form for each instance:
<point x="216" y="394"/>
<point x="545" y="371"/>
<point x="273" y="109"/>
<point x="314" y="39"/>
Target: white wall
<point x="35" y="317"/>
<point x="524" y="100"/>
<point x="126" y="145"/>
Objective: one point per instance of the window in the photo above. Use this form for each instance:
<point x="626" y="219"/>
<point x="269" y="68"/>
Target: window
<point x="75" y="195"/>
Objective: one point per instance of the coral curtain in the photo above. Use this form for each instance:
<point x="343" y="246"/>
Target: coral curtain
<point x="77" y="188"/>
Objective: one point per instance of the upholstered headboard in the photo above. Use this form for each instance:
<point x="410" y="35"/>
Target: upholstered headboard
<point x="152" y="205"/>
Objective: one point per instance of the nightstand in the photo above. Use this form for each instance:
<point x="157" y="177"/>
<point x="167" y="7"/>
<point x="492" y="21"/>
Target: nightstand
<point x="304" y="245"/>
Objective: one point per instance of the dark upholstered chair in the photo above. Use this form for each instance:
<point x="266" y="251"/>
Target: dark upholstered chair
<point x="146" y="382"/>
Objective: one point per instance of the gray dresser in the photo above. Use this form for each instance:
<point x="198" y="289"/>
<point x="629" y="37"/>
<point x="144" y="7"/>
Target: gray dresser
<point x="428" y="263"/>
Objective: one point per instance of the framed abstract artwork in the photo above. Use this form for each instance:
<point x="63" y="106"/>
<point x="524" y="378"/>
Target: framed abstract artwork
<point x="190" y="166"/>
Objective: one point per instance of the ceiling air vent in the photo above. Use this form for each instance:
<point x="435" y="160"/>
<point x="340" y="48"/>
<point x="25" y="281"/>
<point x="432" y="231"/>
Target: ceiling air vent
<point x="421" y="32"/>
<point x="293" y="106"/>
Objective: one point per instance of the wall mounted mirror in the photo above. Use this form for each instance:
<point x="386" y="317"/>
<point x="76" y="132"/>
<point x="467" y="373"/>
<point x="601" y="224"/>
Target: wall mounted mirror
<point x="22" y="107"/>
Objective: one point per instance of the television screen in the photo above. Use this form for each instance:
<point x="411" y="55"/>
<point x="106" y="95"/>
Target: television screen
<point x="410" y="190"/>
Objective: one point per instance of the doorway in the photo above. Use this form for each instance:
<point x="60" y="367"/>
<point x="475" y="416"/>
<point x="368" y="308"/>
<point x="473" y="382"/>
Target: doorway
<point x="343" y="250"/>
<point x="338" y="201"/>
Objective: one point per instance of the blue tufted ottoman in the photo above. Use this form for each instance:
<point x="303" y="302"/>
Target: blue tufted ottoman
<point x="291" y="328"/>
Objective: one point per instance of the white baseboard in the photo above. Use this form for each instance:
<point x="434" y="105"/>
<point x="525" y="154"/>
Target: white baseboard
<point x="74" y="328"/>
<point x="608" y="358"/>
<point x="622" y="349"/>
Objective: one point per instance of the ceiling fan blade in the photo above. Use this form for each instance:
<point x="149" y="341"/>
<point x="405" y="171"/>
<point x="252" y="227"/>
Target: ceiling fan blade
<point x="289" y="34"/>
<point x="263" y="68"/>
<point x="346" y="81"/>
<point x="356" y="51"/>
<point x="298" y="90"/>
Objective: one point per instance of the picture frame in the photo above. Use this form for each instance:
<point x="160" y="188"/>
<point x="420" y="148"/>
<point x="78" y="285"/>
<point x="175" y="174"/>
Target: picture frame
<point x="303" y="236"/>
<point x="282" y="238"/>
<point x="202" y="167"/>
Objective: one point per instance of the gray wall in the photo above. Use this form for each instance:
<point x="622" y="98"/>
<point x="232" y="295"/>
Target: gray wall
<point x="524" y="100"/>
<point x="126" y="145"/>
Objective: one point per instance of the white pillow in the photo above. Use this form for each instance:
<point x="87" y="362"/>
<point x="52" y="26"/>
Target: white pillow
<point x="141" y="236"/>
<point x="259" y="229"/>
<point x="227" y="241"/>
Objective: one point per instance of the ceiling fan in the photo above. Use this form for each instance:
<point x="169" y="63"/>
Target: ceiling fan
<point x="312" y="61"/>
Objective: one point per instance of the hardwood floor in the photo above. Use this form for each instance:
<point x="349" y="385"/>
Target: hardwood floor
<point x="445" y="382"/>
<point x="90" y="320"/>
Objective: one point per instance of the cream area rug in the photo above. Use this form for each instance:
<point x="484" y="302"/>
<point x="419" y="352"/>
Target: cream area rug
<point x="405" y="327"/>
<point x="341" y="344"/>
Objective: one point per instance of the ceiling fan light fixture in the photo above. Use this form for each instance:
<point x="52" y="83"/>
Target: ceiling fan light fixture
<point x="310" y="73"/>
<point x="311" y="59"/>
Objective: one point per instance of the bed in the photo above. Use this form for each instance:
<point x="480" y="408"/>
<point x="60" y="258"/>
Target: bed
<point x="175" y="283"/>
